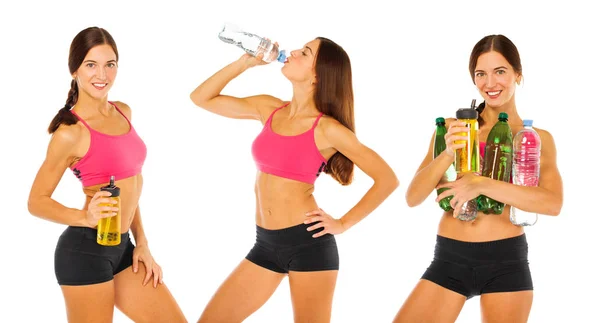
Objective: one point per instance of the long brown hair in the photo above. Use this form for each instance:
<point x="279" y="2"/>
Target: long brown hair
<point x="80" y="46"/>
<point x="496" y="43"/>
<point x="334" y="97"/>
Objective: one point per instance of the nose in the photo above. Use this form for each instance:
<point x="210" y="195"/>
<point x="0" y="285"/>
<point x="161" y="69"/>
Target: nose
<point x="490" y="81"/>
<point x="101" y="73"/>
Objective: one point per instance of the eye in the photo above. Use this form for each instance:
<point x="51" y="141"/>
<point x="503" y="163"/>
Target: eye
<point x="303" y="53"/>
<point x="479" y="74"/>
<point x="90" y="65"/>
<point x="500" y="72"/>
<point x="111" y="65"/>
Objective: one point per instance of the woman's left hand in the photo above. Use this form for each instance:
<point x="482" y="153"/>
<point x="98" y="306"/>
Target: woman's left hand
<point x="142" y="253"/>
<point x="466" y="187"/>
<point x="324" y="220"/>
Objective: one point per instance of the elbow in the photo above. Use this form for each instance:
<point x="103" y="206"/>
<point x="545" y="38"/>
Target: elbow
<point x="555" y="208"/>
<point x="411" y="201"/>
<point x="31" y="206"/>
<point x="196" y="99"/>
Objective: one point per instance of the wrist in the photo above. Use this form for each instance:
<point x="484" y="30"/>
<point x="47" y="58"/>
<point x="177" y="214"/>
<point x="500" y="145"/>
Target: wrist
<point x="345" y="224"/>
<point x="483" y="185"/>
<point x="141" y="241"/>
<point x="81" y="219"/>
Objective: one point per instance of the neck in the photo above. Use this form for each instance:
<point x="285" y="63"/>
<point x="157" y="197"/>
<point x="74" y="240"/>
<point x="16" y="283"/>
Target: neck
<point x="302" y="102"/>
<point x="490" y="113"/>
<point x="86" y="105"/>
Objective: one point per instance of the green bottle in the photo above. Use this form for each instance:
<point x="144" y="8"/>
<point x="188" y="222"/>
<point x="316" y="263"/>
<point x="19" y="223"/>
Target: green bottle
<point x="439" y="145"/>
<point x="497" y="161"/>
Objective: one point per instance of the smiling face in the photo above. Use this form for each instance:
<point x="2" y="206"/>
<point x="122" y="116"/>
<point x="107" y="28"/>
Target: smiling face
<point x="97" y="72"/>
<point x="495" y="78"/>
<point x="300" y="65"/>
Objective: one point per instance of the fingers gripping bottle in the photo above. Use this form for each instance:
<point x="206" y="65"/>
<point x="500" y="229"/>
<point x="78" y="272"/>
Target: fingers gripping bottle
<point x="439" y="146"/>
<point x="497" y="161"/>
<point x="527" y="148"/>
<point x="467" y="158"/>
<point x="109" y="229"/>
<point x="251" y="43"/>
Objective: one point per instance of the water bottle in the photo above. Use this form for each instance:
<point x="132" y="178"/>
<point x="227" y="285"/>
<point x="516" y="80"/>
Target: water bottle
<point x="251" y="43"/>
<point x="467" y="158"/>
<point x="109" y="229"/>
<point x="527" y="147"/>
<point x="439" y="145"/>
<point x="497" y="161"/>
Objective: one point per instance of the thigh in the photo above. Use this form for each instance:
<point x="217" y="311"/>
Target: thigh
<point x="145" y="303"/>
<point x="312" y="295"/>
<point x="430" y="303"/>
<point x="246" y="289"/>
<point x="89" y="303"/>
<point x="506" y="307"/>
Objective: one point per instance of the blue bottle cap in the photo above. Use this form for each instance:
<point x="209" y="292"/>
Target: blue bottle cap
<point x="527" y="123"/>
<point x="281" y="57"/>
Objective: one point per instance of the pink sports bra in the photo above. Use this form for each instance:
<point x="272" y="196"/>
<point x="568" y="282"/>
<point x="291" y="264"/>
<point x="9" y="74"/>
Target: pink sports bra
<point x="293" y="157"/>
<point x="121" y="156"/>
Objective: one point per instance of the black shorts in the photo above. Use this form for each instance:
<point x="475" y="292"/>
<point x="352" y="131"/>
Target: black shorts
<point x="80" y="260"/>
<point x="475" y="268"/>
<point x="294" y="249"/>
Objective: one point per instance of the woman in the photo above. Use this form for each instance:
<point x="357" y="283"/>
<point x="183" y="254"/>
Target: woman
<point x="312" y="133"/>
<point x="487" y="257"/>
<point x="96" y="140"/>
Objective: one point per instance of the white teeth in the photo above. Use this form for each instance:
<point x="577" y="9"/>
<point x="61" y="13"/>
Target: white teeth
<point x="493" y="93"/>
<point x="99" y="85"/>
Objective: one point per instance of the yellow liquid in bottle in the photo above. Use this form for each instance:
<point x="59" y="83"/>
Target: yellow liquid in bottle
<point x="467" y="158"/>
<point x="109" y="229"/>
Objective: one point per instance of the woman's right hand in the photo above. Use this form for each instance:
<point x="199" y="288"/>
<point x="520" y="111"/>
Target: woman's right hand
<point x="251" y="61"/>
<point x="453" y="135"/>
<point x="98" y="209"/>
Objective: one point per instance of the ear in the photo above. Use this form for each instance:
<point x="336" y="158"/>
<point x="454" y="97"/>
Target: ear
<point x="519" y="78"/>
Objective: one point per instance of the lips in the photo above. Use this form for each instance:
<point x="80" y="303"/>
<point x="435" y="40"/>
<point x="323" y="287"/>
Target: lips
<point x="100" y="86"/>
<point x="494" y="94"/>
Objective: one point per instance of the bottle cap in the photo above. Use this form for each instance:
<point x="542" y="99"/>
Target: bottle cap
<point x="282" y="56"/>
<point x="115" y="191"/>
<point x="440" y="121"/>
<point x="467" y="114"/>
<point x="503" y="116"/>
<point x="527" y="123"/>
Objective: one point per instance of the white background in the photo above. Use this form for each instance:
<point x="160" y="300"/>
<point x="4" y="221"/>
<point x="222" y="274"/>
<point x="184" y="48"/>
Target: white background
<point x="410" y="65"/>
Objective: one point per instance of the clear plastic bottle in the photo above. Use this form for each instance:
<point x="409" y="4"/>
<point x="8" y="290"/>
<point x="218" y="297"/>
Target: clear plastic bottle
<point x="527" y="147"/>
<point x="251" y="43"/>
<point x="467" y="158"/>
<point x="109" y="229"/>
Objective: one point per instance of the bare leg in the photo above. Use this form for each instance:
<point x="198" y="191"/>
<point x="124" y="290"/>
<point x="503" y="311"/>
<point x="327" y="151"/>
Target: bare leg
<point x="430" y="303"/>
<point x="246" y="289"/>
<point x="312" y="295"/>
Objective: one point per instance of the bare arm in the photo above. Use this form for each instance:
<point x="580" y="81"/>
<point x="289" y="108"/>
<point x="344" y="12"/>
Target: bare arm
<point x="431" y="170"/>
<point x="546" y="198"/>
<point x="58" y="157"/>
<point x="137" y="229"/>
<point x="385" y="181"/>
<point x="208" y="94"/>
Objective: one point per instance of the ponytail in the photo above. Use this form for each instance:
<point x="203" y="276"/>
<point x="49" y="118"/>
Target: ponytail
<point x="479" y="112"/>
<point x="64" y="115"/>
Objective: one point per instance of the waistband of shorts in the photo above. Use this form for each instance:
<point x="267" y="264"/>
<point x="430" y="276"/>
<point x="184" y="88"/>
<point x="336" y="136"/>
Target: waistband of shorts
<point x="293" y="235"/>
<point x="91" y="234"/>
<point x="517" y="240"/>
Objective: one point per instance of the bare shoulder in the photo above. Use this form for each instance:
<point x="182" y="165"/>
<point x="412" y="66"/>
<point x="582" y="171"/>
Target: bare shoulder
<point x="333" y="130"/>
<point x="545" y="135"/>
<point x="66" y="138"/>
<point x="265" y="104"/>
<point x="124" y="108"/>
